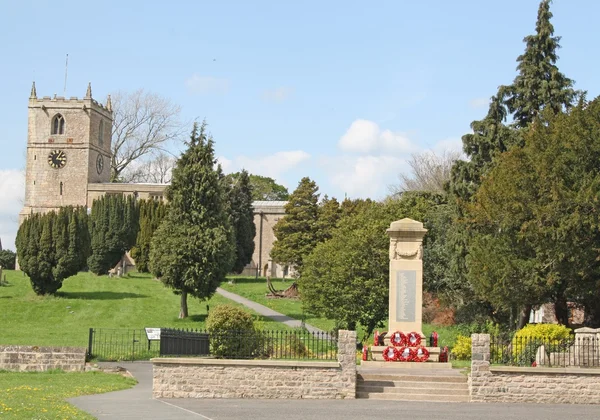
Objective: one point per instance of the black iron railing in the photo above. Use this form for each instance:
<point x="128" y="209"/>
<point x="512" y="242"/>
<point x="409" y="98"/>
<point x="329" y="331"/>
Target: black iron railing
<point x="112" y="344"/>
<point x="120" y="344"/>
<point x="526" y="351"/>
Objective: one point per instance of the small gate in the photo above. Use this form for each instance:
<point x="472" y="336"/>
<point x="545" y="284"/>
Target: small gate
<point x="183" y="343"/>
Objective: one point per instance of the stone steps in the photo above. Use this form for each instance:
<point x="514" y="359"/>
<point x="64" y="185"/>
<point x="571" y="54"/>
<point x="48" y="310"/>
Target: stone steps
<point x="393" y="386"/>
<point x="413" y="397"/>
<point x="452" y="387"/>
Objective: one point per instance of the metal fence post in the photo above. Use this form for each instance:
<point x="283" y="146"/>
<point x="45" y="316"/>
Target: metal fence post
<point x="90" y="342"/>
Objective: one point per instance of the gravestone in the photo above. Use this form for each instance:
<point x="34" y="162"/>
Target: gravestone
<point x="406" y="276"/>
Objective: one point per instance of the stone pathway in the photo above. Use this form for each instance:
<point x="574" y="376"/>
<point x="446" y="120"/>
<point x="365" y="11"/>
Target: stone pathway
<point x="268" y="312"/>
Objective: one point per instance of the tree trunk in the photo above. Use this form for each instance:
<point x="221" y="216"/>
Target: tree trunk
<point x="524" y="316"/>
<point x="183" y="312"/>
<point x="561" y="310"/>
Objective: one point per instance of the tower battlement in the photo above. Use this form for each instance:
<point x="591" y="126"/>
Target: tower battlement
<point x="72" y="102"/>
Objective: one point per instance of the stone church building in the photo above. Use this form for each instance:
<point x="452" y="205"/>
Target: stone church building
<point x="68" y="163"/>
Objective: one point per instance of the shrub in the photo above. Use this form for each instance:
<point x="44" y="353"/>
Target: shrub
<point x="232" y="333"/>
<point x="527" y="340"/>
<point x="7" y="259"/>
<point x="462" y="348"/>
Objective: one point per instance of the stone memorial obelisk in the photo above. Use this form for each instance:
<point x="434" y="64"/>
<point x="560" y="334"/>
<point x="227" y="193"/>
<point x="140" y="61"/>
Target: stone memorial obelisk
<point x="406" y="276"/>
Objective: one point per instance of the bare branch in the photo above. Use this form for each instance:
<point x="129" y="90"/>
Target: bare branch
<point x="429" y="172"/>
<point x="156" y="171"/>
<point x="143" y="123"/>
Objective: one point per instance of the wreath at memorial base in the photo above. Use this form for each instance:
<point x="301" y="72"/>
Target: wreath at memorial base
<point x="413" y="339"/>
<point x="398" y="339"/>
<point x="405" y="354"/>
<point x="390" y="354"/>
<point x="420" y="354"/>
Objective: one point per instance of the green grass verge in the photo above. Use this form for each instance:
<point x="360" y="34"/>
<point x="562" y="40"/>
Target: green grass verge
<point x="87" y="300"/>
<point x="42" y="395"/>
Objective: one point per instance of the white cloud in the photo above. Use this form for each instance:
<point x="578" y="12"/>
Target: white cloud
<point x="363" y="176"/>
<point x="365" y="136"/>
<point x="479" y="103"/>
<point x="271" y="165"/>
<point x="277" y="95"/>
<point x="12" y="191"/>
<point x="199" y="84"/>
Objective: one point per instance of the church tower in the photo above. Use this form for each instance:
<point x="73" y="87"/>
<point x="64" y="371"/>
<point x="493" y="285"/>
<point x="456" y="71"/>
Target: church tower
<point x="68" y="147"/>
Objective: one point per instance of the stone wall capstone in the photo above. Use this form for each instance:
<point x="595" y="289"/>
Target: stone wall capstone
<point x="39" y="359"/>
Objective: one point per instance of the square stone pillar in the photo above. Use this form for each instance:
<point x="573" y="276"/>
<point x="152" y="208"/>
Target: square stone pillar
<point x="406" y="276"/>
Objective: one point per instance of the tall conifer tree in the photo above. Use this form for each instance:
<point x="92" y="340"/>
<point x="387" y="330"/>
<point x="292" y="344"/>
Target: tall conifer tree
<point x="242" y="220"/>
<point x="51" y="247"/>
<point x="193" y="249"/>
<point x="297" y="233"/>
<point x="114" y="226"/>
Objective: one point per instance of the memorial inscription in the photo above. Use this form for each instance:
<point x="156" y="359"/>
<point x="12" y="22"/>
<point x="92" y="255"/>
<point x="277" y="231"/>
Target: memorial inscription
<point x="406" y="288"/>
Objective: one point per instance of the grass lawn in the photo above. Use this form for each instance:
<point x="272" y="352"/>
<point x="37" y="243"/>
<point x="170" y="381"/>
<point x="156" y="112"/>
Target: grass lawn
<point x="256" y="290"/>
<point x="42" y="395"/>
<point x="86" y="301"/>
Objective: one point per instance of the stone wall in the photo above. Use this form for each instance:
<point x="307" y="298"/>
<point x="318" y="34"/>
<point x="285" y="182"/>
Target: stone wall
<point x="33" y="358"/>
<point x="218" y="378"/>
<point x="528" y="385"/>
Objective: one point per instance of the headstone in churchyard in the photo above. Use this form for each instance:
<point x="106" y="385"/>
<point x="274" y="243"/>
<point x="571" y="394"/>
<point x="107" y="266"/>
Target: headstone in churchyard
<point x="406" y="276"/>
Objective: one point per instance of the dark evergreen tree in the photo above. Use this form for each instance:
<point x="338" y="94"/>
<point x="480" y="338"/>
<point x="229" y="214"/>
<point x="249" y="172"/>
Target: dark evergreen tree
<point x="296" y="233"/>
<point x="151" y="213"/>
<point x="539" y="84"/>
<point x="114" y="227"/>
<point x="51" y="247"/>
<point x="193" y="249"/>
<point x="242" y="220"/>
<point x="538" y="87"/>
<point x="328" y="216"/>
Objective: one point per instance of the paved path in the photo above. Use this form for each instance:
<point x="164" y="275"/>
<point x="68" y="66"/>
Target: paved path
<point x="268" y="312"/>
<point x="137" y="403"/>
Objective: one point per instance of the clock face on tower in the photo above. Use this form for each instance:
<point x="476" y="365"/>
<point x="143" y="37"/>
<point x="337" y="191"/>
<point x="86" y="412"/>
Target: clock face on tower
<point x="99" y="164"/>
<point x="57" y="159"/>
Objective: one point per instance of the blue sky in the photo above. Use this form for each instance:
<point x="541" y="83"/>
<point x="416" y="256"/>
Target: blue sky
<point x="340" y="91"/>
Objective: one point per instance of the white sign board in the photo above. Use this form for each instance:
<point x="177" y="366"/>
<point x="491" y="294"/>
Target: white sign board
<point x="153" y="333"/>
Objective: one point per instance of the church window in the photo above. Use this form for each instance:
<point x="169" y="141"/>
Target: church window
<point x="61" y="188"/>
<point x="58" y="124"/>
<point x="101" y="133"/>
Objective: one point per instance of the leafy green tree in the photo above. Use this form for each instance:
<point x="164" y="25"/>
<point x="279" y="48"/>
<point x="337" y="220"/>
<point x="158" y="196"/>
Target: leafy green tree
<point x="263" y="188"/>
<point x="7" y="259"/>
<point x="114" y="225"/>
<point x="296" y="232"/>
<point x="151" y="213"/>
<point x="193" y="248"/>
<point x="242" y="220"/>
<point x="346" y="277"/>
<point x="328" y="215"/>
<point x="52" y="247"/>
<point x="538" y="221"/>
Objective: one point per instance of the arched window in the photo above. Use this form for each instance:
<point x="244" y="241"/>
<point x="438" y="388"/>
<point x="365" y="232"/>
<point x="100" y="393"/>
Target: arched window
<point x="101" y="133"/>
<point x="58" y="124"/>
